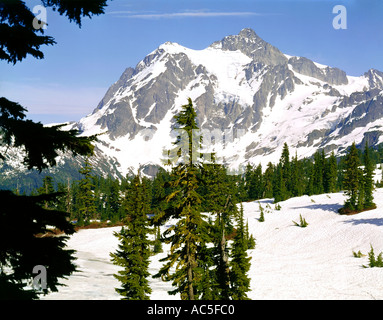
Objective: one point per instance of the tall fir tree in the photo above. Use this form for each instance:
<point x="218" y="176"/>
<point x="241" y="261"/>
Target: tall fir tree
<point x="188" y="236"/>
<point x="331" y="174"/>
<point x="258" y="182"/>
<point x="134" y="248"/>
<point x="279" y="186"/>
<point x="268" y="180"/>
<point x="249" y="172"/>
<point x="296" y="177"/>
<point x="351" y="181"/>
<point x="65" y="200"/>
<point x="368" y="179"/>
<point x="47" y="188"/>
<point x="318" y="172"/>
<point x="87" y="200"/>
<point x="112" y="200"/>
<point x="160" y="190"/>
<point x="254" y="182"/>
<point x="240" y="263"/>
<point x="222" y="205"/>
<point x="286" y="169"/>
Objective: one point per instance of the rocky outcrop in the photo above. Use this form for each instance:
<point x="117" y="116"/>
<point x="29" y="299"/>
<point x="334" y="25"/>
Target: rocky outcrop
<point x="306" y="67"/>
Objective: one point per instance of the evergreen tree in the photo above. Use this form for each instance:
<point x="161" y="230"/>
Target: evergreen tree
<point x="261" y="216"/>
<point x="368" y="179"/>
<point x="279" y="186"/>
<point x="286" y="169"/>
<point x="112" y="200"/>
<point x="134" y="248"/>
<point x="249" y="237"/>
<point x="47" y="188"/>
<point x="296" y="177"/>
<point x="248" y="182"/>
<point x="22" y="219"/>
<point x="75" y="201"/>
<point x="241" y="189"/>
<point x="208" y="286"/>
<point x="16" y="23"/>
<point x="87" y="200"/>
<point x="254" y="182"/>
<point x="157" y="246"/>
<point x="160" y="190"/>
<point x="330" y="174"/>
<point x="65" y="200"/>
<point x="351" y="181"/>
<point x="268" y="180"/>
<point x="222" y="205"/>
<point x="258" y="182"/>
<point x="311" y="178"/>
<point x="318" y="172"/>
<point x="361" y="189"/>
<point x="240" y="263"/>
<point x="187" y="237"/>
<point x="26" y="241"/>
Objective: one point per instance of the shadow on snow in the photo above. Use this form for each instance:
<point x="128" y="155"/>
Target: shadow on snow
<point x="375" y="221"/>
<point x="323" y="207"/>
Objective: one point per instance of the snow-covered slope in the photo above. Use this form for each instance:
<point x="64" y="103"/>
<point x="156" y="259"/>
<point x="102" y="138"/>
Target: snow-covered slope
<point x="288" y="262"/>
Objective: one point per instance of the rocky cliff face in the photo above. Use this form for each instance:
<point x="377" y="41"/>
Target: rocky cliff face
<point x="250" y="44"/>
<point x="304" y="66"/>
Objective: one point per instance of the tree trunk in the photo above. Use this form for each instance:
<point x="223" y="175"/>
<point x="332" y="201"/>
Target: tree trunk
<point x="189" y="272"/>
<point x="225" y="264"/>
<point x="224" y="256"/>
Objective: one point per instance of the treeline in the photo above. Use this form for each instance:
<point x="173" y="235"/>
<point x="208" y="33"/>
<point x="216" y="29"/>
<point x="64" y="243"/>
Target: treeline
<point x="88" y="199"/>
<point x="319" y="174"/>
<point x="291" y="177"/>
<point x="99" y="198"/>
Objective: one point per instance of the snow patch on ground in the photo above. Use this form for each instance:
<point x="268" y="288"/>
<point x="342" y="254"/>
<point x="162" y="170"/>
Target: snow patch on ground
<point x="288" y="262"/>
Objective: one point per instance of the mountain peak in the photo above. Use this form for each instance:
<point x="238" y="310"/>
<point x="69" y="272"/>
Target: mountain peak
<point x="248" y="33"/>
<point x="375" y="78"/>
<point x="249" y="43"/>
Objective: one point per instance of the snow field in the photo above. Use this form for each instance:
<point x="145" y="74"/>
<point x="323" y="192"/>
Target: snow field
<point x="288" y="262"/>
<point x="315" y="262"/>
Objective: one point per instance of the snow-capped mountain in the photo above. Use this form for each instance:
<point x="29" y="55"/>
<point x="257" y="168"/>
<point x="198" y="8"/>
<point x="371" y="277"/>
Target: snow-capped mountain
<point x="248" y="95"/>
<point x="246" y="89"/>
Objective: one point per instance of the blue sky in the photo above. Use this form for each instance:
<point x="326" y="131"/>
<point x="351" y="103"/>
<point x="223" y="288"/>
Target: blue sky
<point x="76" y="72"/>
